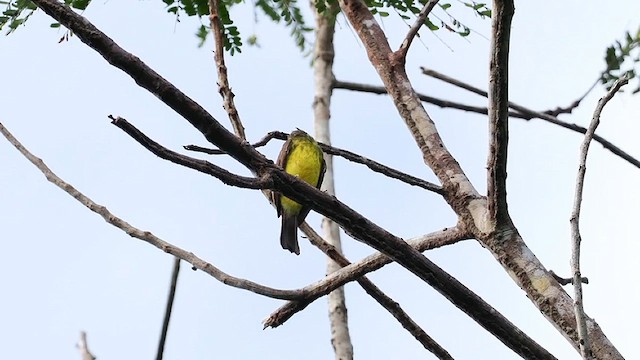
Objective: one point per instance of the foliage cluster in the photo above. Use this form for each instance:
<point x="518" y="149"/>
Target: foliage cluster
<point x="622" y="58"/>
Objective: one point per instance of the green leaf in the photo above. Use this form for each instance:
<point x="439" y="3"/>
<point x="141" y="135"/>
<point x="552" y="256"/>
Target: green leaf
<point x="80" y="4"/>
<point x="430" y="25"/>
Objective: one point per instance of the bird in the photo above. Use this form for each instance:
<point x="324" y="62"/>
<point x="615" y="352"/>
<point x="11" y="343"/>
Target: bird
<point x="300" y="156"/>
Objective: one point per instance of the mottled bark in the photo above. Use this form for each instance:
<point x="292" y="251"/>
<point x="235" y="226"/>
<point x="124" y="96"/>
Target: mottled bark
<point x="323" y="55"/>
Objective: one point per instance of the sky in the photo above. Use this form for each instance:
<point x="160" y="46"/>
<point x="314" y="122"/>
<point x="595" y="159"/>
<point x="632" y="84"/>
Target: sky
<point x="65" y="270"/>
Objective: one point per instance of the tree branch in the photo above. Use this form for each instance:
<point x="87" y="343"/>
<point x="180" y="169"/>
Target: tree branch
<point x="223" y="79"/>
<point x="557" y="111"/>
<point x="167" y="314"/>
<point x="576" y="239"/>
<point x="502" y="15"/>
<point x="413" y="30"/>
<point x="527" y="114"/>
<point x="196" y="164"/>
<point x="385" y="301"/>
<point x="519" y="342"/>
<point x="147" y="236"/>
<point x="357" y="270"/>
<point x="83" y="347"/>
<point x="346" y="154"/>
<point x="379" y="90"/>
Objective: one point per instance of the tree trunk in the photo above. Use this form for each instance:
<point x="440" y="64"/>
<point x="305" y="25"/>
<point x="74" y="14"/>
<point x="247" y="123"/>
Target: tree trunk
<point x="323" y="55"/>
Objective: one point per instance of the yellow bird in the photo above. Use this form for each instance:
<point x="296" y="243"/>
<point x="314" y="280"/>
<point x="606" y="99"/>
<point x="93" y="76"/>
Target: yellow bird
<point x="300" y="156"/>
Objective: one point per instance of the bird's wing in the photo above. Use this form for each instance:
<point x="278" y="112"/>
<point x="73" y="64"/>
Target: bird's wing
<point x="282" y="159"/>
<point x="322" y="170"/>
<point x="305" y="210"/>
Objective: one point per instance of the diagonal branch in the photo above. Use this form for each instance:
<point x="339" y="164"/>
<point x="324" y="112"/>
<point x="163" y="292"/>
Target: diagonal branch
<point x="196" y="164"/>
<point x="175" y="271"/>
<point x="357" y="270"/>
<point x="557" y="111"/>
<point x="385" y="301"/>
<point x="348" y="155"/>
<point x="147" y="236"/>
<point x="576" y="239"/>
<point x="413" y="30"/>
<point x="527" y="114"/>
<point x="223" y="79"/>
<point x="83" y="347"/>
<point x="379" y="90"/>
<point x="525" y="346"/>
<point x="498" y="112"/>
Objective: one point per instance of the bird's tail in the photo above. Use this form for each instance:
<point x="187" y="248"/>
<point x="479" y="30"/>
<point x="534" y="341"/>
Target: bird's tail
<point x="289" y="234"/>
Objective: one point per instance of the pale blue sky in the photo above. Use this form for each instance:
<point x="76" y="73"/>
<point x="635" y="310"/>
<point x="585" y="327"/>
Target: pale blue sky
<point x="66" y="270"/>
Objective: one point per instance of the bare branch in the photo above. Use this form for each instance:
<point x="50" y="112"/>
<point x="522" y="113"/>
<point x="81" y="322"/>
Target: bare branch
<point x="519" y="341"/>
<point x="82" y="345"/>
<point x="348" y="155"/>
<point x="262" y="142"/>
<point x="196" y="164"/>
<point x="223" y="79"/>
<point x="576" y="239"/>
<point x="557" y="111"/>
<point x="355" y="271"/>
<point x="147" y="236"/>
<point x="385" y="301"/>
<point x="527" y="114"/>
<point x="413" y="30"/>
<point x="379" y="90"/>
<point x="567" y="281"/>
<point x="167" y="314"/>
<point x="569" y="108"/>
<point x="502" y="14"/>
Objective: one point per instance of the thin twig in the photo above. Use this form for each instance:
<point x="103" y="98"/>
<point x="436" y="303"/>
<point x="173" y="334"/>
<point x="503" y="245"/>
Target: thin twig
<point x="167" y="314"/>
<point x="147" y="236"/>
<point x="351" y="156"/>
<point x="413" y="30"/>
<point x="385" y="301"/>
<point x="585" y="348"/>
<point x="521" y="113"/>
<point x="569" y="108"/>
<point x="380" y="90"/>
<point x="223" y="79"/>
<point x="528" y="113"/>
<point x="262" y="142"/>
<point x="498" y="96"/>
<point x="567" y="281"/>
<point x="348" y="155"/>
<point x="82" y="345"/>
<point x="196" y="164"/>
